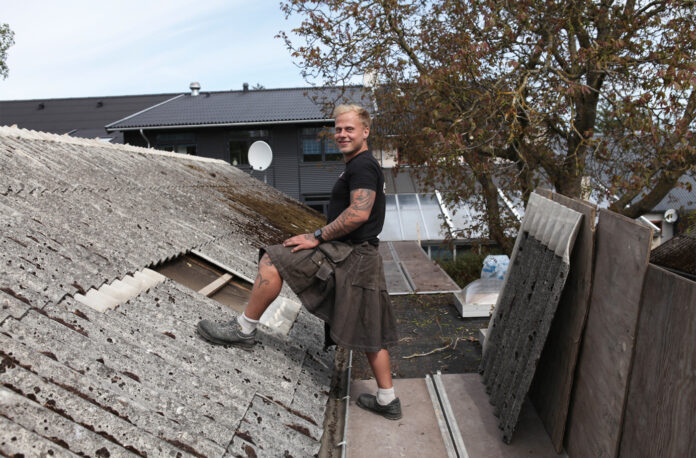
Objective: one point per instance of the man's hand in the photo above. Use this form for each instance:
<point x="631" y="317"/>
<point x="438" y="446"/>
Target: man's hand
<point x="302" y="242"/>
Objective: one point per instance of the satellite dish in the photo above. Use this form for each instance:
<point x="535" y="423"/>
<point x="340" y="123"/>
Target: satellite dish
<point x="260" y="155"/>
<point x="671" y="216"/>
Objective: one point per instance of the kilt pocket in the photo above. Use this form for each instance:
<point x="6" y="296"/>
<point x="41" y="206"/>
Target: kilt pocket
<point x="366" y="274"/>
<point x="310" y="266"/>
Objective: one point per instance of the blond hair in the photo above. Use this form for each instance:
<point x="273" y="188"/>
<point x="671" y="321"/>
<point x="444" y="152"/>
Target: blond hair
<point x="360" y="111"/>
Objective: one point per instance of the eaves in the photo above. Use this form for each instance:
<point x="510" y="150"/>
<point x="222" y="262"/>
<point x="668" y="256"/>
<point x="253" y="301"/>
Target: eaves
<point x="224" y="124"/>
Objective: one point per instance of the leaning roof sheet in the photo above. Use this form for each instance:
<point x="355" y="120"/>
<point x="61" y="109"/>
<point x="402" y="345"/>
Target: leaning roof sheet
<point x="265" y="106"/>
<point x="76" y="214"/>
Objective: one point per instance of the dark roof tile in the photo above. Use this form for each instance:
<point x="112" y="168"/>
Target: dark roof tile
<point x="263" y="106"/>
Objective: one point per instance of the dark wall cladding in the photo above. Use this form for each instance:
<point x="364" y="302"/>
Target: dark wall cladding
<point x="319" y="178"/>
<point x="286" y="153"/>
<point x="287" y="172"/>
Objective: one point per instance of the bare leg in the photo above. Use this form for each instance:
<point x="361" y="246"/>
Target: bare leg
<point x="381" y="367"/>
<point x="266" y="289"/>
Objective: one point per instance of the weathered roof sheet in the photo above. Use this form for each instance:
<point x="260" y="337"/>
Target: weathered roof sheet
<point x="76" y="214"/>
<point x="263" y="106"/>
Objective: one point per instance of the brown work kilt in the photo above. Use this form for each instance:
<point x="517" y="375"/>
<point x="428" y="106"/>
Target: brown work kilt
<point x="343" y="284"/>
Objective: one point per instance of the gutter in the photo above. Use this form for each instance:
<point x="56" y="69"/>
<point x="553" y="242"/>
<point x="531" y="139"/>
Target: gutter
<point x="234" y="124"/>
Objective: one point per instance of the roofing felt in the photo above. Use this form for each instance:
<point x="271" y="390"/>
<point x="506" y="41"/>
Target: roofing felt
<point x="242" y="107"/>
<point x="136" y="380"/>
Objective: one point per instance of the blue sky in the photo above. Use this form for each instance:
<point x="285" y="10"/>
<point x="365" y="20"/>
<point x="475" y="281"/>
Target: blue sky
<point x="80" y="48"/>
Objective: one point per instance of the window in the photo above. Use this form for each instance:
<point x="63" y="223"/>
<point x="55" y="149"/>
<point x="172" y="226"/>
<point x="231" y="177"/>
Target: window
<point x="177" y="143"/>
<point x="318" y="145"/>
<point x="238" y="152"/>
<point x="319" y="202"/>
<point x="240" y="141"/>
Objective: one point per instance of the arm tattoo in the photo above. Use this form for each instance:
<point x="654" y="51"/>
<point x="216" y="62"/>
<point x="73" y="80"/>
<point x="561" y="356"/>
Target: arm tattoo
<point x="361" y="202"/>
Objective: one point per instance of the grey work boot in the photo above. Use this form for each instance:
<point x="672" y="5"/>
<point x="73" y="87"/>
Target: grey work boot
<point x="391" y="411"/>
<point x="228" y="333"/>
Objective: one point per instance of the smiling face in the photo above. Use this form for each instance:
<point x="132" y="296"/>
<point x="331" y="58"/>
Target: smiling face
<point x="350" y="135"/>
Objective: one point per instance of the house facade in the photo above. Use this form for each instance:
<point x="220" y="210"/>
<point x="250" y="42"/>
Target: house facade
<point x="295" y="123"/>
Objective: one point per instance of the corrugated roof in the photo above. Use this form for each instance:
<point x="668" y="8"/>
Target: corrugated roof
<point x="265" y="106"/>
<point x="76" y="214"/>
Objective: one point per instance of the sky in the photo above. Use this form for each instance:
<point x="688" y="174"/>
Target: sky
<point x="80" y="48"/>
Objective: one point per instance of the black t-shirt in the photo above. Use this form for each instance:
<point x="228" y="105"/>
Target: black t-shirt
<point x="362" y="172"/>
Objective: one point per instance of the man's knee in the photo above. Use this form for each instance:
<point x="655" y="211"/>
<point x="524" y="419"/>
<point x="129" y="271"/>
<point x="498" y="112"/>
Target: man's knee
<point x="266" y="266"/>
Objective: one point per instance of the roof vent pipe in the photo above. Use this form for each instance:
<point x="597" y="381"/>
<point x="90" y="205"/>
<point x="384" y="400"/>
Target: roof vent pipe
<point x="195" y="88"/>
<point x="245" y="87"/>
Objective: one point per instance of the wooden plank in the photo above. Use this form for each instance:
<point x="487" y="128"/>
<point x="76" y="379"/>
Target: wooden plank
<point x="409" y="251"/>
<point x="213" y="287"/>
<point x="396" y="283"/>
<point x="385" y="251"/>
<point x="660" y="418"/>
<point x="601" y="381"/>
<point x="427" y="276"/>
<point x="553" y="379"/>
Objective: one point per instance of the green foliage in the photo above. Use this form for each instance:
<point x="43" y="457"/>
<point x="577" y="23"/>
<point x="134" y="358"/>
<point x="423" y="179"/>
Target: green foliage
<point x="6" y="40"/>
<point x="467" y="266"/>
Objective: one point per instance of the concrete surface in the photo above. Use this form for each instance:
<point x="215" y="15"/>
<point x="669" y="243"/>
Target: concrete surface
<point x="479" y="427"/>
<point x="415" y="435"/>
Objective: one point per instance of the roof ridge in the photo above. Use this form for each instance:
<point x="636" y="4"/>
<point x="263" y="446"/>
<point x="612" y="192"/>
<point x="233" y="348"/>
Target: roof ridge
<point x="26" y="134"/>
<point x="174" y="94"/>
<point x="92" y="97"/>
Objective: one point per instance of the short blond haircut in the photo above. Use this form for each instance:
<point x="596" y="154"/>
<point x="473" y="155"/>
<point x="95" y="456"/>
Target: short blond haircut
<point x="360" y="111"/>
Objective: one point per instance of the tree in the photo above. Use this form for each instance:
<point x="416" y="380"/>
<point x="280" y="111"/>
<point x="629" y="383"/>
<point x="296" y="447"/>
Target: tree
<point x="6" y="40"/>
<point x="499" y="95"/>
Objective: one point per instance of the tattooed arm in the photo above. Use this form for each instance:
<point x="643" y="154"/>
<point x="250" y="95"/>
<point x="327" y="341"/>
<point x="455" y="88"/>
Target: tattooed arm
<point x="361" y="202"/>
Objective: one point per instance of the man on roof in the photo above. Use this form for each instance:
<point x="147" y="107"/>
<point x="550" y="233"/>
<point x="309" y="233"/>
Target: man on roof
<point x="337" y="271"/>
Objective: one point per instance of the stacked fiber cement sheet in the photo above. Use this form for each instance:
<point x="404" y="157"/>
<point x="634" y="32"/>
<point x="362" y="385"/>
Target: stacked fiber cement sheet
<point x="538" y="270"/>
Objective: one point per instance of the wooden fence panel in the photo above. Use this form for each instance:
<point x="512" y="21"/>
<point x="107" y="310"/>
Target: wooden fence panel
<point x="660" y="419"/>
<point x="601" y="381"/>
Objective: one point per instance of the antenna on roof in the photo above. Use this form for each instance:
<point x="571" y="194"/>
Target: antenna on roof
<point x="260" y="156"/>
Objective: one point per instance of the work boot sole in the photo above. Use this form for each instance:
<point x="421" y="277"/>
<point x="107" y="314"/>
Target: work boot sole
<point x="242" y="345"/>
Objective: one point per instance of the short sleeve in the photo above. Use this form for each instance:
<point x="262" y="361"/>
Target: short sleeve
<point x="364" y="174"/>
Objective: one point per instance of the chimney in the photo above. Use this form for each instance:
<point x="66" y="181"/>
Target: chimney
<point x="195" y="88"/>
<point x="245" y="87"/>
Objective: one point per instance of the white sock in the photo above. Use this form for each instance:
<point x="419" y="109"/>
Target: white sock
<point x="385" y="396"/>
<point x="248" y="325"/>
